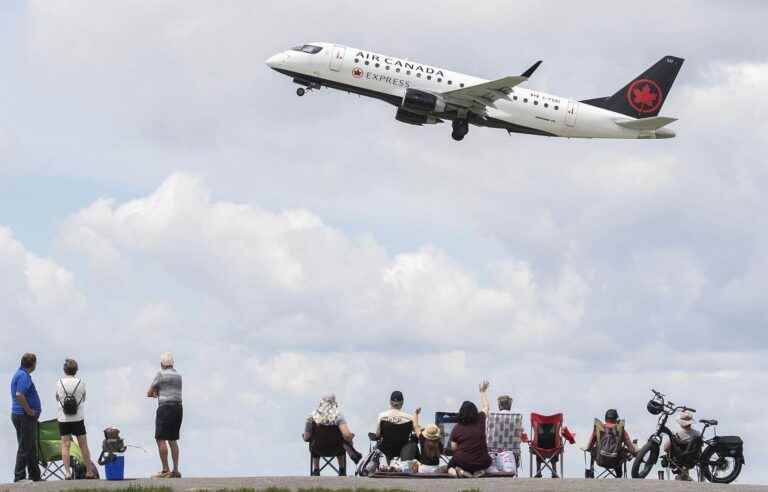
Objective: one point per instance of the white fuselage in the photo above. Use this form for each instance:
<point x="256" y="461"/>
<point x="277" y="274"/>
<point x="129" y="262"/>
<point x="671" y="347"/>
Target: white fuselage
<point x="388" y="78"/>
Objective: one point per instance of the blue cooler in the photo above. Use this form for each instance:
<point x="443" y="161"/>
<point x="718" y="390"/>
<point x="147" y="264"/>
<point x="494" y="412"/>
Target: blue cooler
<point x="115" y="469"/>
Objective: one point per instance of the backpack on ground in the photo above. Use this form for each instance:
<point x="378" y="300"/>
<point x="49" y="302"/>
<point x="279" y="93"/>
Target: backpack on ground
<point x="609" y="442"/>
<point x="69" y="404"/>
<point x="370" y="464"/>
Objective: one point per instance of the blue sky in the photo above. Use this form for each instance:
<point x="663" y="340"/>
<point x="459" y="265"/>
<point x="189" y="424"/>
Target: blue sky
<point x="162" y="189"/>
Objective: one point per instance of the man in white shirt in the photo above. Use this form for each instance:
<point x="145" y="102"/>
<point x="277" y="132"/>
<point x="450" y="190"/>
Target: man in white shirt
<point x="70" y="395"/>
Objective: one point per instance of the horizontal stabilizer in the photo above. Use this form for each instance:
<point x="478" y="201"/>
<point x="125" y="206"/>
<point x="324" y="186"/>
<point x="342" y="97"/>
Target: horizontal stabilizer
<point x="653" y="123"/>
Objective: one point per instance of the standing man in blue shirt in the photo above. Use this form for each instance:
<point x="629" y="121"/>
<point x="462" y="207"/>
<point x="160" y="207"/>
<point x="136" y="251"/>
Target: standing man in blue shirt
<point x="25" y="411"/>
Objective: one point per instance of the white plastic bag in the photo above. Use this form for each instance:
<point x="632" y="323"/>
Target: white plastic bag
<point x="505" y="462"/>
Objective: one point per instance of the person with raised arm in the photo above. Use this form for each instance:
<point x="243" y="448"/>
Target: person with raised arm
<point x="468" y="439"/>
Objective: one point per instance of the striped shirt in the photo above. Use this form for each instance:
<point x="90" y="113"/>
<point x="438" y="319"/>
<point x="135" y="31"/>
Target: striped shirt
<point x="168" y="386"/>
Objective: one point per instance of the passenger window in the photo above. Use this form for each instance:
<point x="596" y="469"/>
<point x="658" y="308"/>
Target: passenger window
<point x="429" y="77"/>
<point x="377" y="65"/>
<point x="450" y="82"/>
<point x="367" y="62"/>
<point x="514" y="97"/>
<point x="397" y="70"/>
<point x="357" y="60"/>
<point x="386" y="68"/>
<point x="546" y="105"/>
<point x="461" y="85"/>
<point x="408" y="72"/>
<point x="439" y="80"/>
<point x="525" y="99"/>
<point x="418" y="74"/>
<point x="557" y="107"/>
<point x="535" y="103"/>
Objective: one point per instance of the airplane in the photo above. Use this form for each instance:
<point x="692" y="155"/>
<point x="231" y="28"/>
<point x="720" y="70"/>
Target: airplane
<point x="427" y="94"/>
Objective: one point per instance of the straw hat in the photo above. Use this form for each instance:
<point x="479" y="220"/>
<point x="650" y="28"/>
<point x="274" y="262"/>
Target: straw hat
<point x="685" y="419"/>
<point x="431" y="432"/>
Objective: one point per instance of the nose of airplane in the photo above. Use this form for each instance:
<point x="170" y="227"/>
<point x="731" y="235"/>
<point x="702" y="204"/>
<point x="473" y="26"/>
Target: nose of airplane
<point x="275" y="60"/>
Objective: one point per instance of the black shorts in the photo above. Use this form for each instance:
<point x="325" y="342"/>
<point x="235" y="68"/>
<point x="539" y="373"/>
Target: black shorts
<point x="168" y="422"/>
<point x="72" y="428"/>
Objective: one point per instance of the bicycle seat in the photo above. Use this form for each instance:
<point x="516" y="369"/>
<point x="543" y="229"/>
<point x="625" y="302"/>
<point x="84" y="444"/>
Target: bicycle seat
<point x="708" y="421"/>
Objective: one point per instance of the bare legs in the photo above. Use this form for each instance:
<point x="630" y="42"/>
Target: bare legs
<point x="66" y="445"/>
<point x="82" y="441"/>
<point x="162" y="448"/>
<point x="66" y="442"/>
<point x="175" y="456"/>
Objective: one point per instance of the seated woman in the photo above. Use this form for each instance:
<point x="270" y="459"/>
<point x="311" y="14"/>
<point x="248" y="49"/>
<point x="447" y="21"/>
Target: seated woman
<point x="468" y="440"/>
<point x="328" y="434"/>
<point x="430" y="445"/>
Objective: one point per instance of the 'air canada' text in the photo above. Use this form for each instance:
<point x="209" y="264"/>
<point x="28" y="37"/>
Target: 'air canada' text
<point x="399" y="63"/>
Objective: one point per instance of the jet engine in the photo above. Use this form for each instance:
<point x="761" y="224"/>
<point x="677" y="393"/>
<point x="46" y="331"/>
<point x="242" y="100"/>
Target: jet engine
<point x="418" y="101"/>
<point x="415" y="119"/>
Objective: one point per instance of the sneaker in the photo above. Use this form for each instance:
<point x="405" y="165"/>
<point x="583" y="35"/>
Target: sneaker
<point x="162" y="474"/>
<point x="315" y="472"/>
<point x="176" y="474"/>
<point x="555" y="475"/>
<point x="538" y="475"/>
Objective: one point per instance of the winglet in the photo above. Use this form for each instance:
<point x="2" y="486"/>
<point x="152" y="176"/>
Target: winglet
<point x="527" y="74"/>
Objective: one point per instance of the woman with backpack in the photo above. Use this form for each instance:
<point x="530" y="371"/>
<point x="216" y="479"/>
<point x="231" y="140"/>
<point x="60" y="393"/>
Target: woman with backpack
<point x="70" y="394"/>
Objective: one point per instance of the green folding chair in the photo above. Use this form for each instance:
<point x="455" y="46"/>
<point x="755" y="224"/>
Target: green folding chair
<point x="49" y="451"/>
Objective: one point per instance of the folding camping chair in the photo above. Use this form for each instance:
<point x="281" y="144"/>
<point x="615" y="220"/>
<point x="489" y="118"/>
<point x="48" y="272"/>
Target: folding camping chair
<point x="591" y="454"/>
<point x="446" y="421"/>
<point x="504" y="432"/>
<point x="325" y="443"/>
<point x="393" y="437"/>
<point x="49" y="452"/>
<point x="546" y="444"/>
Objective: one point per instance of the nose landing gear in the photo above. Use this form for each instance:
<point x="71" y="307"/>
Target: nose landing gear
<point x="460" y="129"/>
<point x="301" y="91"/>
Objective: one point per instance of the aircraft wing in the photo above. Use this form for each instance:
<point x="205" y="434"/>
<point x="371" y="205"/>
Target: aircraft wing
<point x="488" y="92"/>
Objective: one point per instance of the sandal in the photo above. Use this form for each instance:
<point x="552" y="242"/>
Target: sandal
<point x="162" y="474"/>
<point x="175" y="474"/>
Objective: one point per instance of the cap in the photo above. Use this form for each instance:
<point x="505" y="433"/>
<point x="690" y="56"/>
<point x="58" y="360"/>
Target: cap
<point x="611" y="414"/>
<point x="396" y="396"/>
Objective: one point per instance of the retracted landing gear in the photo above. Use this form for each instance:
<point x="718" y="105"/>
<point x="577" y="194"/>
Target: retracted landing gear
<point x="460" y="129"/>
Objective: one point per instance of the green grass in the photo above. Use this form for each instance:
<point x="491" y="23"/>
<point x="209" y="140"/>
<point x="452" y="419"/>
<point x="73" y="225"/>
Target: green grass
<point x="270" y="489"/>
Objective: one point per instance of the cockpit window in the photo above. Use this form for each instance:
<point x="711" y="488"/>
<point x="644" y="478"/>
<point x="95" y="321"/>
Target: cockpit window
<point x="308" y="48"/>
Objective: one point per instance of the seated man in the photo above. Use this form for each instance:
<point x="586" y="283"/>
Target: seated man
<point x="393" y="427"/>
<point x="610" y="444"/>
<point x="684" y="436"/>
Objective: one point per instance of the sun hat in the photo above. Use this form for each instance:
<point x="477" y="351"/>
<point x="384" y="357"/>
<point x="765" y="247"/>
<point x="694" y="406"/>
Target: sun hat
<point x="685" y="419"/>
<point x="431" y="432"/>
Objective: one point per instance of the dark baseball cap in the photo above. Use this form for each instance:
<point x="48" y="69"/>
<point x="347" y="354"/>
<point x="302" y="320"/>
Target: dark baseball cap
<point x="611" y="414"/>
<point x="396" y="396"/>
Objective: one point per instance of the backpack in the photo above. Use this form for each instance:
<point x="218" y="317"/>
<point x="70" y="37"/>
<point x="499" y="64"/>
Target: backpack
<point x="69" y="404"/>
<point x="410" y="451"/>
<point x="609" y="442"/>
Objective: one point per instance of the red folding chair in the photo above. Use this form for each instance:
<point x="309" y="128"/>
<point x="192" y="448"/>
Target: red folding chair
<point x="546" y="444"/>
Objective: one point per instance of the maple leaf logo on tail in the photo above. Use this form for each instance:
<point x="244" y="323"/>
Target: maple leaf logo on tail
<point x="644" y="96"/>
